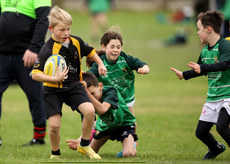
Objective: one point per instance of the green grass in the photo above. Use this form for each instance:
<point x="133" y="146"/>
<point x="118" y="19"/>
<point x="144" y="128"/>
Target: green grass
<point x="167" y="109"/>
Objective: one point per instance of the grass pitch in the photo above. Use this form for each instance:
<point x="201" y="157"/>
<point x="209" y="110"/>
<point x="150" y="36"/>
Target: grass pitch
<point x="167" y="109"/>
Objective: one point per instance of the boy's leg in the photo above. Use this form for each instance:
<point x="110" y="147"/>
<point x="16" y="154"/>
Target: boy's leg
<point x="88" y="112"/>
<point x="128" y="148"/>
<point x="96" y="144"/>
<point x="54" y="134"/>
<point x="222" y="125"/>
<point x="203" y="133"/>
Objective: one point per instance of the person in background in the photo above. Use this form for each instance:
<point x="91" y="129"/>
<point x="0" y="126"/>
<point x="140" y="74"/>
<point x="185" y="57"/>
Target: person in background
<point x="98" y="17"/>
<point x="23" y="27"/>
<point x="224" y="7"/>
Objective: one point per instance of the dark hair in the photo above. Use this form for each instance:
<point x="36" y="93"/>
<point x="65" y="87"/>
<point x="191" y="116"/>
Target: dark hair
<point x="90" y="79"/>
<point x="105" y="39"/>
<point x="109" y="35"/>
<point x="213" y="19"/>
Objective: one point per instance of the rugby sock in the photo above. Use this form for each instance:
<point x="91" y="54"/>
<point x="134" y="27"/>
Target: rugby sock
<point x="39" y="133"/>
<point x="58" y="152"/>
<point x="84" y="142"/>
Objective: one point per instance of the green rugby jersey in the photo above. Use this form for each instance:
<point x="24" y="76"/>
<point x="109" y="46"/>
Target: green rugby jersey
<point x="118" y="115"/>
<point x="218" y="82"/>
<point x="120" y="74"/>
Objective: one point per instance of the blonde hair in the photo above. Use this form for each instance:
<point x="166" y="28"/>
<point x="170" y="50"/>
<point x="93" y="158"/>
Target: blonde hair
<point x="59" y="15"/>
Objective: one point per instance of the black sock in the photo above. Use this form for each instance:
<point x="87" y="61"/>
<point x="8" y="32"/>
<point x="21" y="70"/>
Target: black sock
<point x="84" y="142"/>
<point x="56" y="152"/>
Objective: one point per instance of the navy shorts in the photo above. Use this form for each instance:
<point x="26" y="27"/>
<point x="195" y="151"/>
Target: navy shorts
<point x="118" y="134"/>
<point x="71" y="96"/>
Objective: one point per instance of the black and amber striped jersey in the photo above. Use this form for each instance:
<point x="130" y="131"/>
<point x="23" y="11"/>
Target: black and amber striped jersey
<point x="72" y="53"/>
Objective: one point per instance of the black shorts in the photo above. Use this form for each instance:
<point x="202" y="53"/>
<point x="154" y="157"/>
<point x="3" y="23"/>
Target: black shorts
<point x="71" y="96"/>
<point x="118" y="134"/>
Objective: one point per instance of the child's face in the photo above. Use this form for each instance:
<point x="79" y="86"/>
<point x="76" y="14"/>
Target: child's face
<point x="202" y="32"/>
<point x="112" y="50"/>
<point x="96" y="92"/>
<point x="61" y="32"/>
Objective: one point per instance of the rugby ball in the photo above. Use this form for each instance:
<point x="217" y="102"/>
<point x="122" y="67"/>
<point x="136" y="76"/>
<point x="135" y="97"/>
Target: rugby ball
<point x="52" y="62"/>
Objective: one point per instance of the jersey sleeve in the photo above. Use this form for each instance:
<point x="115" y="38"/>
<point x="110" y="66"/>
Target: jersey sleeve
<point x="134" y="63"/>
<point x="40" y="29"/>
<point x="224" y="62"/>
<point x="110" y="96"/>
<point x="191" y="73"/>
<point x="225" y="50"/>
<point x="86" y="49"/>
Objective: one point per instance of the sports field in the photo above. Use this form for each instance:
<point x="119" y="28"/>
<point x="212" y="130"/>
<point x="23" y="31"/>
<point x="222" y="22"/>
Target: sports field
<point x="167" y="109"/>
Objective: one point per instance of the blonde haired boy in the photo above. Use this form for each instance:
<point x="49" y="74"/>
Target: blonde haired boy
<point x="65" y="87"/>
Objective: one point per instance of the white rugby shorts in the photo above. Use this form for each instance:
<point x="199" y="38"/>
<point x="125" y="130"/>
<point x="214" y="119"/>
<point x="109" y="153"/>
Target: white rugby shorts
<point x="211" y="109"/>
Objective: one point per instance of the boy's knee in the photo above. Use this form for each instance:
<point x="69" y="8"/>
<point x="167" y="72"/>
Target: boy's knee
<point x="90" y="113"/>
<point x="54" y="128"/>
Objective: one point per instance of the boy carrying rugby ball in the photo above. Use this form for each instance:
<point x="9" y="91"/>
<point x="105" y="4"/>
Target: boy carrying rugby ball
<point x="65" y="87"/>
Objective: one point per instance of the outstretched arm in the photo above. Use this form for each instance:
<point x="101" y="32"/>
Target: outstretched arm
<point x="73" y="144"/>
<point x="178" y="73"/>
<point x="101" y="67"/>
<point x="101" y="107"/>
<point x="144" y="70"/>
<point x="204" y="68"/>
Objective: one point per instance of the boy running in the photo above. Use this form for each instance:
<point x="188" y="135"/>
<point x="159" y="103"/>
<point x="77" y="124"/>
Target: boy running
<point x="214" y="61"/>
<point x="65" y="87"/>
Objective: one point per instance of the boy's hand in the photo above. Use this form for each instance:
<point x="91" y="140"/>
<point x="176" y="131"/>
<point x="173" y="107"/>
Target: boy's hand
<point x="143" y="70"/>
<point x="61" y="76"/>
<point x="178" y="73"/>
<point x="84" y="85"/>
<point x="102" y="69"/>
<point x="73" y="144"/>
<point x="195" y="67"/>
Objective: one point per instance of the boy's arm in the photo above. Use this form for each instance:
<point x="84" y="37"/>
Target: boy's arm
<point x="186" y="74"/>
<point x="204" y="68"/>
<point x="101" y="67"/>
<point x="41" y="77"/>
<point x="134" y="63"/>
<point x="189" y="73"/>
<point x="101" y="108"/>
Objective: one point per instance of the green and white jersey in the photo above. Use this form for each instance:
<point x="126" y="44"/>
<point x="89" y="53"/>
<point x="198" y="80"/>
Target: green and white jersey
<point x="120" y="74"/>
<point x="218" y="82"/>
<point x="118" y="115"/>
